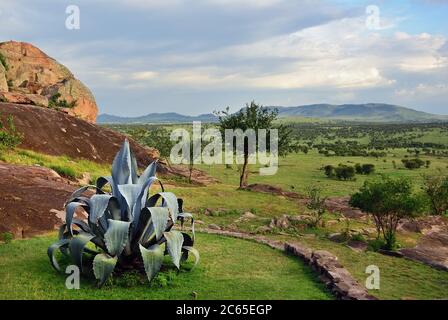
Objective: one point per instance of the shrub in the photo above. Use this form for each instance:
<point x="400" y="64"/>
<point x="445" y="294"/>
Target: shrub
<point x="329" y="171"/>
<point x="365" y="169"/>
<point x="128" y="227"/>
<point x="376" y="244"/>
<point x="436" y="189"/>
<point x="388" y="201"/>
<point x="9" y="137"/>
<point x="7" y="237"/>
<point x="368" y="168"/>
<point x="55" y="103"/>
<point x="316" y="205"/>
<point x="344" y="172"/>
<point x="412" y="164"/>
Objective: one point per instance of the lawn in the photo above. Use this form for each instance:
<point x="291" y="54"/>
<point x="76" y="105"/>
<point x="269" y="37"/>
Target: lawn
<point x="229" y="269"/>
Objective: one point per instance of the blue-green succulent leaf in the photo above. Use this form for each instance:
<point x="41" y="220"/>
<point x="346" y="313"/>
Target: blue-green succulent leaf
<point x="149" y="172"/>
<point x="69" y="213"/>
<point x="58" y="245"/>
<point x="195" y="252"/>
<point x="77" y="245"/>
<point x="152" y="259"/>
<point x="174" y="241"/>
<point x="117" y="236"/>
<point x="98" y="204"/>
<point x="103" y="266"/>
<point x="159" y="219"/>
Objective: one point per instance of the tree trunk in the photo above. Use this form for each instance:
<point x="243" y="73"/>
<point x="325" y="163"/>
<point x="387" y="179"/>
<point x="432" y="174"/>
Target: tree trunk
<point x="244" y="172"/>
<point x="191" y="171"/>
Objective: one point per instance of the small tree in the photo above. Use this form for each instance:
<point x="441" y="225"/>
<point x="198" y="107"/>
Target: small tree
<point x="388" y="201"/>
<point x="436" y="188"/>
<point x="316" y="205"/>
<point x="256" y="117"/>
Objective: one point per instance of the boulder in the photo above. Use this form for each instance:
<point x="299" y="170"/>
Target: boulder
<point x="32" y="73"/>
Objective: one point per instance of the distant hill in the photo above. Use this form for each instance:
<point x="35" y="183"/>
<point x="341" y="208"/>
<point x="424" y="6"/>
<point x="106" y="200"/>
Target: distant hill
<point x="375" y="112"/>
<point x="360" y="112"/>
<point x="169" y="117"/>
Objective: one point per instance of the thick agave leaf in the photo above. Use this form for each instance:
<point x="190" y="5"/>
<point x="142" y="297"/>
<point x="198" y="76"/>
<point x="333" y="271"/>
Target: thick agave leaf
<point x="103" y="266"/>
<point x="63" y="243"/>
<point x="77" y="245"/>
<point x="81" y="224"/>
<point x="169" y="201"/>
<point x="98" y="204"/>
<point x="152" y="259"/>
<point x="70" y="211"/>
<point x="149" y="172"/>
<point x="122" y="165"/>
<point x="182" y="217"/>
<point x="174" y="241"/>
<point x="159" y="219"/>
<point x="117" y="236"/>
<point x="102" y="181"/>
<point x="195" y="252"/>
<point x="135" y="196"/>
<point x="134" y="168"/>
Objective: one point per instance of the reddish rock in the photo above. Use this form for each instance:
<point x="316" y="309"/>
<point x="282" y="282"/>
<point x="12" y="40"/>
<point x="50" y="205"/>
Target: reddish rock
<point x="31" y="72"/>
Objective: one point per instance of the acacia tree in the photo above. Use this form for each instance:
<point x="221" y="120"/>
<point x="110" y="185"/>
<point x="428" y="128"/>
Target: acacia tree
<point x="388" y="201"/>
<point x="436" y="188"/>
<point x="256" y="117"/>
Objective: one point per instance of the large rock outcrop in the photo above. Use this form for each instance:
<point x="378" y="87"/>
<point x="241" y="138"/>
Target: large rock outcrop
<point x="29" y="76"/>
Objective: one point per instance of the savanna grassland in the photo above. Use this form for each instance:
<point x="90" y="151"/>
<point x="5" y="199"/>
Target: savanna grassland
<point x="222" y="204"/>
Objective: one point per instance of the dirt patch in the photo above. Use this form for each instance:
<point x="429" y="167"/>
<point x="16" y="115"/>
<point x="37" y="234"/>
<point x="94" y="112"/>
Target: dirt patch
<point x="30" y="198"/>
<point x="266" y="188"/>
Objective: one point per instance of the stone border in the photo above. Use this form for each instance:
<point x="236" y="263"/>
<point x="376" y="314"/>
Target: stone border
<point x="335" y="277"/>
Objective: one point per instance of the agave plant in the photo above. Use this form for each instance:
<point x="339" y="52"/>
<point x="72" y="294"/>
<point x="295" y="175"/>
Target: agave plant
<point x="129" y="228"/>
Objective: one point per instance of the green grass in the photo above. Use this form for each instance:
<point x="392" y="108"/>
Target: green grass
<point x="297" y="172"/>
<point x="400" y="278"/>
<point x="226" y="260"/>
<point x="25" y="273"/>
<point x="63" y="165"/>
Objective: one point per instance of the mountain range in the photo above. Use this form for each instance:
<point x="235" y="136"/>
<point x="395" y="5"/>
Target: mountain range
<point x="369" y="112"/>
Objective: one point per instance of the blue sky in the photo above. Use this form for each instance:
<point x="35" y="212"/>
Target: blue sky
<point x="196" y="56"/>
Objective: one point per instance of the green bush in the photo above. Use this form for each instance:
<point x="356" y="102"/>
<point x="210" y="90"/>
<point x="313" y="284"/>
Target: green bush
<point x="55" y="103"/>
<point x="375" y="245"/>
<point x="9" y="137"/>
<point x="436" y="189"/>
<point x="7" y="237"/>
<point x="388" y="200"/>
<point x="412" y="164"/>
<point x="344" y="172"/>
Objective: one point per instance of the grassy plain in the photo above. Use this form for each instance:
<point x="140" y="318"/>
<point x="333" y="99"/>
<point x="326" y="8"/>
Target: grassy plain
<point x="401" y="278"/>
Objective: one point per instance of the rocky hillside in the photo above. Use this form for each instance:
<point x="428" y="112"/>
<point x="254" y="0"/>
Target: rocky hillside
<point x="29" y="76"/>
<point x="57" y="133"/>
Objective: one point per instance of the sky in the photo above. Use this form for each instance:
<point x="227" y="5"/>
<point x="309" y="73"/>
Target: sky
<point x="197" y="56"/>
